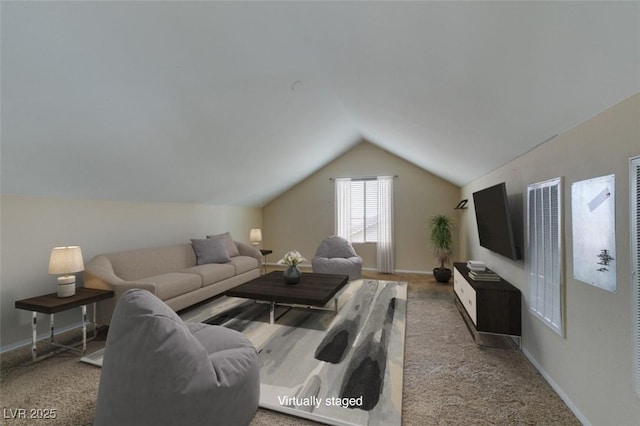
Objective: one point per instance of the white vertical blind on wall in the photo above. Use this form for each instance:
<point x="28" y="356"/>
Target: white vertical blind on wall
<point x="544" y="213"/>
<point x="385" y="250"/>
<point x="634" y="201"/>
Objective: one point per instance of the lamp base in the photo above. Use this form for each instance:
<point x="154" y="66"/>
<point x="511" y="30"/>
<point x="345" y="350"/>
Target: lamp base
<point x="66" y="286"/>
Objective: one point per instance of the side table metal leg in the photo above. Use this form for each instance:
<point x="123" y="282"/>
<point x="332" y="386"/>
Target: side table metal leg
<point x="336" y="304"/>
<point x="272" y="314"/>
<point x="51" y="327"/>
<point x="84" y="328"/>
<point x="34" y="335"/>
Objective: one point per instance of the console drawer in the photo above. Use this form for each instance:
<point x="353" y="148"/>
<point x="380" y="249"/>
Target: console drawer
<point x="466" y="294"/>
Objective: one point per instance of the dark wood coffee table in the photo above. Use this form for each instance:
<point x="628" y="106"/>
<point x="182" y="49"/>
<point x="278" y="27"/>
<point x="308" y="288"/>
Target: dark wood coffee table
<point x="313" y="291"/>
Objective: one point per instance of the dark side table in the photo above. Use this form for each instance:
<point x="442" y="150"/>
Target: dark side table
<point x="52" y="304"/>
<point x="264" y="260"/>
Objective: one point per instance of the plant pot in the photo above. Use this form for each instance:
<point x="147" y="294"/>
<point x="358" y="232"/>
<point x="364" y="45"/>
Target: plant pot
<point x="442" y="275"/>
<point x="292" y="275"/>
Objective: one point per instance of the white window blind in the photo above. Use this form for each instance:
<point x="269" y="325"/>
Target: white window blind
<point x="634" y="202"/>
<point x="364" y="211"/>
<point x="544" y="213"/>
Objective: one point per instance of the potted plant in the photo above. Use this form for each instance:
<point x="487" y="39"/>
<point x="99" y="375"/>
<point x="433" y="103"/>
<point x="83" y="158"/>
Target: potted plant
<point x="442" y="243"/>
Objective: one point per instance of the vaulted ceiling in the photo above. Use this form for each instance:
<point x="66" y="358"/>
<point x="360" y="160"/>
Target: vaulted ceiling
<point x="235" y="102"/>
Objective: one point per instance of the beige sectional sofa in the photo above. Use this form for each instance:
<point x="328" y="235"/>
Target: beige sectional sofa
<point x="172" y="273"/>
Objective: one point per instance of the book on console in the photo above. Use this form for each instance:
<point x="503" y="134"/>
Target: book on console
<point x="484" y="276"/>
<point x="476" y="269"/>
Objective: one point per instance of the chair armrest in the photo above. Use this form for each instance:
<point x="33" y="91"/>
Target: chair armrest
<point x="247" y="250"/>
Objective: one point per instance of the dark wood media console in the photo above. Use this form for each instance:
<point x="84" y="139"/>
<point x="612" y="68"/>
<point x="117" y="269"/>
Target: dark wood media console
<point x="488" y="307"/>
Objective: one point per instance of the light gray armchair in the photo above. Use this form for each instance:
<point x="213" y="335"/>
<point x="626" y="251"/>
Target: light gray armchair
<point x="335" y="255"/>
<point x="159" y="370"/>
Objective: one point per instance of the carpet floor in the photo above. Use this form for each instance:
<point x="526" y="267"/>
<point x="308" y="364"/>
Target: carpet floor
<point x="448" y="379"/>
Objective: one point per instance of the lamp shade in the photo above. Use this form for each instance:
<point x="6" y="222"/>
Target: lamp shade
<point x="255" y="235"/>
<point x="65" y="260"/>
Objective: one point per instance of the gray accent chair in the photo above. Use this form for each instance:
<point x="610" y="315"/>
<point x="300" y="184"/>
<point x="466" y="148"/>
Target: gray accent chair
<point x="159" y="370"/>
<point x="335" y="255"/>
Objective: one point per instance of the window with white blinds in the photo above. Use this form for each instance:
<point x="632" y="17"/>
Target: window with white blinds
<point x="634" y="202"/>
<point x="364" y="211"/>
<point x="544" y="219"/>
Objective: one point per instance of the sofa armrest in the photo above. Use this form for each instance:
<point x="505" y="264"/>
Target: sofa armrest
<point x="251" y="251"/>
<point x="99" y="274"/>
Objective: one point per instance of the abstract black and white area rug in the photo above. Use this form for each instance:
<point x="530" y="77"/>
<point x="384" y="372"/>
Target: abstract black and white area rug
<point x="343" y="369"/>
<point x="338" y="369"/>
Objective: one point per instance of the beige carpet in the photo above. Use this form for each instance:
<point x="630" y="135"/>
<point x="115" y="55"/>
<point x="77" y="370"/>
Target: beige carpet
<point x="448" y="380"/>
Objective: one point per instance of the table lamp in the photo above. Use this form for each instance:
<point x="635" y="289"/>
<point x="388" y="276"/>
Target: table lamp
<point x="66" y="261"/>
<point x="255" y="236"/>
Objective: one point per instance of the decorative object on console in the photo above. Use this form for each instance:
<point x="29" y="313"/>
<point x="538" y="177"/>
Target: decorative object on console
<point x="66" y="260"/>
<point x="486" y="275"/>
<point x="255" y="235"/>
<point x="292" y="259"/>
<point x="442" y="243"/>
<point x="478" y="271"/>
<point x="476" y="265"/>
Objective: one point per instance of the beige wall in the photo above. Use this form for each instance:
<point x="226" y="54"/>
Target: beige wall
<point x="593" y="365"/>
<point x="300" y="218"/>
<point x="31" y="226"/>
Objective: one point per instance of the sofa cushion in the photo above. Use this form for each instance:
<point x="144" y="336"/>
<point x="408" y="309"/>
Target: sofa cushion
<point x="231" y="246"/>
<point x="174" y="284"/>
<point x="212" y="272"/>
<point x="244" y="264"/>
<point x="210" y="250"/>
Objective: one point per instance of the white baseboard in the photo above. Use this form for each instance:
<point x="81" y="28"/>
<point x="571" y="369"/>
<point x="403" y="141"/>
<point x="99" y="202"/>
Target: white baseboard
<point x="410" y="271"/>
<point x="403" y="271"/>
<point x="42" y="336"/>
<point x="581" y="417"/>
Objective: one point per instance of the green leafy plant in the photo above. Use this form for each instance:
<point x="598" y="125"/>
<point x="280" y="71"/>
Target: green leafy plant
<point x="442" y="238"/>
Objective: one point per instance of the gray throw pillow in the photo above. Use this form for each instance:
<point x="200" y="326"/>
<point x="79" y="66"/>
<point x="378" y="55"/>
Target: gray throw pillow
<point x="210" y="250"/>
<point x="231" y="246"/>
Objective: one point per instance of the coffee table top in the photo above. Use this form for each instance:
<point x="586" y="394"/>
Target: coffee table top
<point x="313" y="289"/>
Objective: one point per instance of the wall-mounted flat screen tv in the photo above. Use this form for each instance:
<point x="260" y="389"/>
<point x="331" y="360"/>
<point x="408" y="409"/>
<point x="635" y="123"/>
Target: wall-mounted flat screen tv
<point x="494" y="221"/>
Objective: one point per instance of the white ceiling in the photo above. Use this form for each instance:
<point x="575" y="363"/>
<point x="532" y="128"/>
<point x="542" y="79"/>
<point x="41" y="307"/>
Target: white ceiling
<point x="233" y="103"/>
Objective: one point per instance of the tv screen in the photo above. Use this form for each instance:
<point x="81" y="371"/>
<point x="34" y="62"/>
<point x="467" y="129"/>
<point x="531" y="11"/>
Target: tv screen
<point x="494" y="221"/>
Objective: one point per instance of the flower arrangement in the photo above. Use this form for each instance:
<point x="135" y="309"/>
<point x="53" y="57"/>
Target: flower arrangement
<point x="292" y="258"/>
